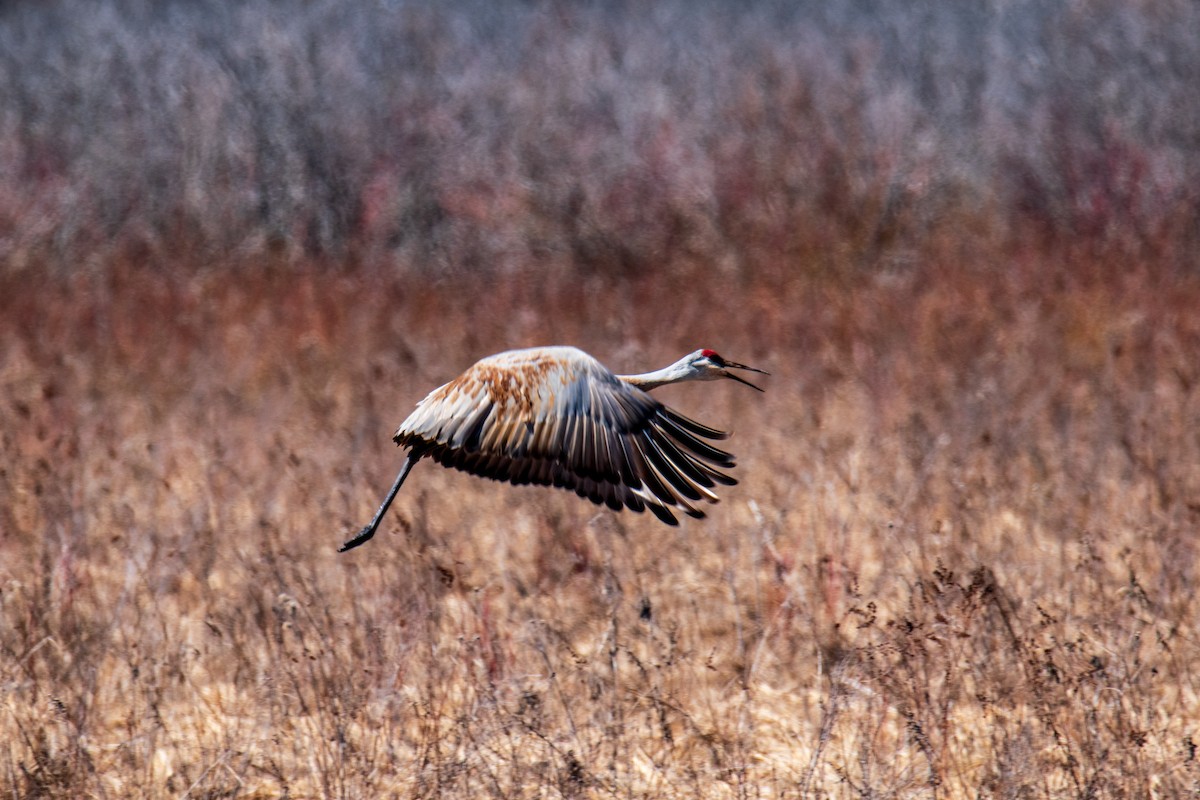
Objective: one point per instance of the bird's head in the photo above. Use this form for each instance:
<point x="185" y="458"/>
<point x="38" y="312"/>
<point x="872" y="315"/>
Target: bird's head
<point x="709" y="366"/>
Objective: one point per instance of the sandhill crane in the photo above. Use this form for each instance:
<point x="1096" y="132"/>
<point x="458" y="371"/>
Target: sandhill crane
<point x="555" y="416"/>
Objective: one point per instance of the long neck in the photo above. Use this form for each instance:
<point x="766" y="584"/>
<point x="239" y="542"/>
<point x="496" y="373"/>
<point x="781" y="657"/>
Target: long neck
<point x="679" y="371"/>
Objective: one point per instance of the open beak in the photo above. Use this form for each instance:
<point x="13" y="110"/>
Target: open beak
<point x="733" y="365"/>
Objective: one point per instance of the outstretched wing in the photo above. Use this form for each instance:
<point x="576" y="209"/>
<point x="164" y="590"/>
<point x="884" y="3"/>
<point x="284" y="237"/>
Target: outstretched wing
<point x="558" y="417"/>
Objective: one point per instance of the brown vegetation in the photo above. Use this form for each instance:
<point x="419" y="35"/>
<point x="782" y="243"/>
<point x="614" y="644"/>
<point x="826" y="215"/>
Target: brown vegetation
<point x="961" y="557"/>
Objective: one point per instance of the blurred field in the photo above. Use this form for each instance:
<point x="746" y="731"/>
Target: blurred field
<point x="961" y="559"/>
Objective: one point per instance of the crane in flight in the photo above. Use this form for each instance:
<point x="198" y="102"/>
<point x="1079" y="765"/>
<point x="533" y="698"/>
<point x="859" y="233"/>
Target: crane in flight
<point x="555" y="416"/>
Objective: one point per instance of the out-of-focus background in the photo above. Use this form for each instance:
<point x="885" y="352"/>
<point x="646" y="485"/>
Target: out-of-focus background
<point x="238" y="241"/>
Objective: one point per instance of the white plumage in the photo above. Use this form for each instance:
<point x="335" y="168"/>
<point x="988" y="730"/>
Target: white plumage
<point x="555" y="416"/>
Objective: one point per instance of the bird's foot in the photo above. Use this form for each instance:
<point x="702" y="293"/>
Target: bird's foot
<point x="362" y="536"/>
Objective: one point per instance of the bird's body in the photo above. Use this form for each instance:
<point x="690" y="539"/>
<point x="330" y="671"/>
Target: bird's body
<point x="556" y="416"/>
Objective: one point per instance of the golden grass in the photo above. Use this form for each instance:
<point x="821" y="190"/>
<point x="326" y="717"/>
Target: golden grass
<point x="962" y="556"/>
<point x="959" y="564"/>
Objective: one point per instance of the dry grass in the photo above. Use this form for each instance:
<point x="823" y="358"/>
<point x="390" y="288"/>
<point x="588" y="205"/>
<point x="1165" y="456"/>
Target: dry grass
<point x="960" y="561"/>
<point x="239" y="241"/>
